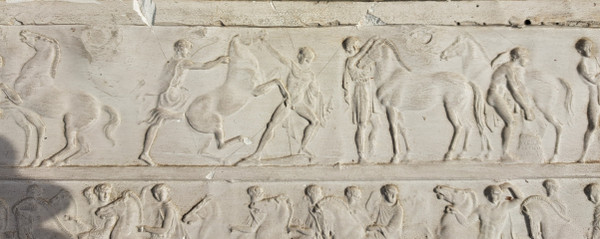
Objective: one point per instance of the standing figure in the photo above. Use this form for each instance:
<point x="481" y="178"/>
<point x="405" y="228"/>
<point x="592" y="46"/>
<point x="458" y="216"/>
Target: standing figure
<point x="589" y="70"/>
<point x="170" y="226"/>
<point x="545" y="216"/>
<point x="270" y="217"/>
<point x="592" y="191"/>
<point x="301" y="95"/>
<point x="492" y="216"/>
<point x="508" y="96"/>
<point x="360" y="97"/>
<point x="173" y="98"/>
<point x="389" y="215"/>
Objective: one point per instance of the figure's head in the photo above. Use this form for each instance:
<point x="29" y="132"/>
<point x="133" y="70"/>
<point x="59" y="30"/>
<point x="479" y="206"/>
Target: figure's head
<point x="306" y="55"/>
<point x="390" y="192"/>
<point x="103" y="192"/>
<point x="493" y="193"/>
<point x="183" y="47"/>
<point x="161" y="192"/>
<point x="592" y="191"/>
<point x="351" y="45"/>
<point x="551" y="187"/>
<point x="256" y="193"/>
<point x="34" y="191"/>
<point x="314" y="192"/>
<point x="520" y="55"/>
<point x="585" y="47"/>
<point x="352" y="193"/>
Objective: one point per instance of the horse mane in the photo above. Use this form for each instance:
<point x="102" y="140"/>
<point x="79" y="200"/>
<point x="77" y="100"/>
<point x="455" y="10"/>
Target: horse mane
<point x="559" y="211"/>
<point x="477" y="45"/>
<point x="56" y="46"/>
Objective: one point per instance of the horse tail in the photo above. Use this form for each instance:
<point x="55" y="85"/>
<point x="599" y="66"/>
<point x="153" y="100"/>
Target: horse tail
<point x="568" y="95"/>
<point x="112" y="123"/>
<point x="479" y="107"/>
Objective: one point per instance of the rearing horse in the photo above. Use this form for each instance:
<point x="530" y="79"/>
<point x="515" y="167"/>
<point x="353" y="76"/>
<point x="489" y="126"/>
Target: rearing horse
<point x="35" y="91"/>
<point x="399" y="91"/>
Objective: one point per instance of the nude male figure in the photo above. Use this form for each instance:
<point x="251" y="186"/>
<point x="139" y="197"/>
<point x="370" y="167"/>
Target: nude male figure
<point x="589" y="70"/>
<point x="173" y="98"/>
<point x="492" y="216"/>
<point x="301" y="95"/>
<point x="508" y="96"/>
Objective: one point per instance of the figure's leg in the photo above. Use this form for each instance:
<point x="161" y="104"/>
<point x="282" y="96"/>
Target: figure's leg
<point x="593" y="119"/>
<point x="508" y="132"/>
<point x="151" y="134"/>
<point x="310" y="130"/>
<point x="70" y="148"/>
<point x="374" y="130"/>
<point x="280" y="114"/>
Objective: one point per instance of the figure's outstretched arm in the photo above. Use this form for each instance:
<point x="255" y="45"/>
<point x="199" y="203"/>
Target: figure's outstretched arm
<point x="515" y="192"/>
<point x="284" y="60"/>
<point x="265" y="87"/>
<point x="207" y="65"/>
<point x="12" y="95"/>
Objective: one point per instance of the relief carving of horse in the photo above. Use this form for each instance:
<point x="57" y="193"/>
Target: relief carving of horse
<point x="36" y="95"/>
<point x="400" y="91"/>
<point x="462" y="200"/>
<point x="127" y="210"/>
<point x="207" y="216"/>
<point x="544" y="88"/>
<point x="546" y="219"/>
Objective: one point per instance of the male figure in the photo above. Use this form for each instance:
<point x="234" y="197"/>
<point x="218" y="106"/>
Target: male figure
<point x="301" y="95"/>
<point x="353" y="196"/>
<point x="537" y="208"/>
<point x="269" y="216"/>
<point x="360" y="97"/>
<point x="389" y="215"/>
<point x="508" y="95"/>
<point x="313" y="227"/>
<point x="170" y="224"/>
<point x="173" y="98"/>
<point x="100" y="196"/>
<point x="492" y="215"/>
<point x="589" y="70"/>
<point x="592" y="191"/>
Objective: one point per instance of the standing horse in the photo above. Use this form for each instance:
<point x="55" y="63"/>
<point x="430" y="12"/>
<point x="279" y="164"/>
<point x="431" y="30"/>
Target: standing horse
<point x="399" y="91"/>
<point x="128" y="212"/>
<point x="209" y="216"/>
<point x="37" y="92"/>
<point x="546" y="93"/>
<point x="205" y="114"/>
<point x="461" y="200"/>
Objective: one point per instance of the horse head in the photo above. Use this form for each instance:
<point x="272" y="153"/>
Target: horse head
<point x="464" y="198"/>
<point x="41" y="42"/>
<point x="200" y="211"/>
<point x="455" y="49"/>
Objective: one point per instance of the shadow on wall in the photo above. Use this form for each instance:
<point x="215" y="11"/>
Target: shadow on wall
<point x="33" y="209"/>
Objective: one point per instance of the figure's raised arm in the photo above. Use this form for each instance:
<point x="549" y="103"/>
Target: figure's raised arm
<point x="516" y="194"/>
<point x="284" y="60"/>
<point x="207" y="65"/>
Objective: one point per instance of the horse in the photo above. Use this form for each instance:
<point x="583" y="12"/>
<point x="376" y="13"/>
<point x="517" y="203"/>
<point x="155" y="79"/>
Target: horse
<point x="39" y="95"/>
<point x="128" y="212"/>
<point x="546" y="219"/>
<point x="337" y="220"/>
<point x="400" y="90"/>
<point x="476" y="65"/>
<point x="208" y="215"/>
<point x="205" y="114"/>
<point x="461" y="200"/>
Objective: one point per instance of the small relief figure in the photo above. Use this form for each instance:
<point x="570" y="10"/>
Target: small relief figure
<point x="592" y="191"/>
<point x="357" y="209"/>
<point x="101" y="226"/>
<point x="301" y="95"/>
<point x="170" y="225"/>
<point x="36" y="92"/>
<point x="462" y="200"/>
<point x="492" y="216"/>
<point x="509" y="97"/>
<point x="358" y="87"/>
<point x="119" y="217"/>
<point x="172" y="99"/>
<point x="314" y="226"/>
<point x="37" y="217"/>
<point x="269" y="216"/>
<point x="546" y="216"/>
<point x="388" y="214"/>
<point x="589" y="70"/>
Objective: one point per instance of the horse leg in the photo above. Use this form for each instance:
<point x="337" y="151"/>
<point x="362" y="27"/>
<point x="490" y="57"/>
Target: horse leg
<point x="394" y="120"/>
<point x="458" y="131"/>
<point x="84" y="149"/>
<point x="558" y="128"/>
<point x="70" y="148"/>
<point x="40" y="127"/>
<point x="28" y="127"/>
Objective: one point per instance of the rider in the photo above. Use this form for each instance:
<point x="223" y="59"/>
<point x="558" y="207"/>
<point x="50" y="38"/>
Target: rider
<point x="170" y="226"/>
<point x="173" y="98"/>
<point x="508" y="96"/>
